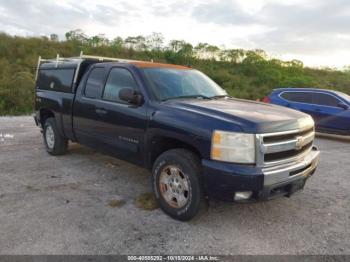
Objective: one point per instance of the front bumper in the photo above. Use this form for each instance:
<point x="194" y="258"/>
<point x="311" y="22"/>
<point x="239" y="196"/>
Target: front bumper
<point x="223" y="180"/>
<point x="286" y="179"/>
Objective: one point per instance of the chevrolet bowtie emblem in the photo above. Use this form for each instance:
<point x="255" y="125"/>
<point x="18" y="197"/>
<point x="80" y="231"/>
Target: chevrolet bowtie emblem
<point x="299" y="143"/>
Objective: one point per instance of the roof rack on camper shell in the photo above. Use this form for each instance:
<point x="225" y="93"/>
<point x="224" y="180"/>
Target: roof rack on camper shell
<point x="78" y="60"/>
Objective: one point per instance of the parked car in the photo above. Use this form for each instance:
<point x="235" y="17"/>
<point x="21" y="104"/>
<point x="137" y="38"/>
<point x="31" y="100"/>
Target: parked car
<point x="198" y="142"/>
<point x="329" y="109"/>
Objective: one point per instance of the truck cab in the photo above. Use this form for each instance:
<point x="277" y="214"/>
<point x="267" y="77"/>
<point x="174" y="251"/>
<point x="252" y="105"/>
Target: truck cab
<point x="198" y="142"/>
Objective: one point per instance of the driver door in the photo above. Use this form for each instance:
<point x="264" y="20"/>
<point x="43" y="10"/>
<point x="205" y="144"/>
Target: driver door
<point x="121" y="126"/>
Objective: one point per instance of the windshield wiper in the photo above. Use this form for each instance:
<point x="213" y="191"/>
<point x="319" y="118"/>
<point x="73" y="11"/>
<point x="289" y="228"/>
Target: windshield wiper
<point x="191" y="96"/>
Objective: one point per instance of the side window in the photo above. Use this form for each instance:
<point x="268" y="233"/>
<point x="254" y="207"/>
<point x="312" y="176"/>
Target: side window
<point x="118" y="78"/>
<point x="59" y="80"/>
<point x="299" y="97"/>
<point x="325" y="100"/>
<point x="94" y="83"/>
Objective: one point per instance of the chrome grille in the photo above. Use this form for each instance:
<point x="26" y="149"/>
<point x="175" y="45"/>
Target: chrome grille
<point x="284" y="147"/>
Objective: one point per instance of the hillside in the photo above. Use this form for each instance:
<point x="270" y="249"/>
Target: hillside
<point x="247" y="74"/>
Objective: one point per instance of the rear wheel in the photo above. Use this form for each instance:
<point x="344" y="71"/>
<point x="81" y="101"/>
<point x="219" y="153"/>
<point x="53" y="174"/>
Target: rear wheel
<point x="177" y="184"/>
<point x="55" y="143"/>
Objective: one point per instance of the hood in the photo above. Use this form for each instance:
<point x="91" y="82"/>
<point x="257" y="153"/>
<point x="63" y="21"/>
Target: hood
<point x="251" y="116"/>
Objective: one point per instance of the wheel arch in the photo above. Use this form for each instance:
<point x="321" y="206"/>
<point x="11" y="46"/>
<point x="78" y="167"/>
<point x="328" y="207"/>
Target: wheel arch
<point x="161" y="144"/>
<point x="45" y="113"/>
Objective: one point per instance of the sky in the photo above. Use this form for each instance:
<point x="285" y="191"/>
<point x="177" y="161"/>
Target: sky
<point x="316" y="32"/>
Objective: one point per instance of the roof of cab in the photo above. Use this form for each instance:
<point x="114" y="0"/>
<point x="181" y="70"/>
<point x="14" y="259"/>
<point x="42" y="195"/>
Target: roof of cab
<point x="143" y="64"/>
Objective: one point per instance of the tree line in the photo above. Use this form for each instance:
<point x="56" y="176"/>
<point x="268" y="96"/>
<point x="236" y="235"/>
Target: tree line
<point x="249" y="74"/>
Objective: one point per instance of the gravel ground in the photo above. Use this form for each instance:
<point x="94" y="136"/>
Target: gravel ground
<point x="60" y="205"/>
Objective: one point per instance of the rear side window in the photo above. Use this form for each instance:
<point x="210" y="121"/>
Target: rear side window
<point x="325" y="100"/>
<point x="94" y="83"/>
<point x="299" y="97"/>
<point x="59" y="80"/>
<point x="118" y="78"/>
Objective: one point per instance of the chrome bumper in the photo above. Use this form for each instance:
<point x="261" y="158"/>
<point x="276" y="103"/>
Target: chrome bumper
<point x="288" y="173"/>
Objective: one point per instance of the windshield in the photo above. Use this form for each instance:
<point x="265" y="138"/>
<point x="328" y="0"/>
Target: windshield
<point x="169" y="83"/>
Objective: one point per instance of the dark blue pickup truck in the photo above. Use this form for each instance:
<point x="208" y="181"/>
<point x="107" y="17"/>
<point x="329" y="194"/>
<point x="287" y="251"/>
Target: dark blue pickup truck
<point x="198" y="142"/>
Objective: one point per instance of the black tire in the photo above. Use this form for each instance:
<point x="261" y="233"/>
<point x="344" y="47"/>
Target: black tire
<point x="189" y="165"/>
<point x="60" y="144"/>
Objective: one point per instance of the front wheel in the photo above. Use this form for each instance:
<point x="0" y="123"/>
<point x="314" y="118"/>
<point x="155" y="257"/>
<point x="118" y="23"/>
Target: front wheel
<point x="177" y="184"/>
<point x="55" y="144"/>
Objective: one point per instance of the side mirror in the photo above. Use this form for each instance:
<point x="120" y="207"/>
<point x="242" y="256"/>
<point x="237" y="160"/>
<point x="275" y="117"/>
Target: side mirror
<point x="131" y="96"/>
<point x="342" y="105"/>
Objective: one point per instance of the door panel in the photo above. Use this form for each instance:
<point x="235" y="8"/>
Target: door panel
<point x="122" y="130"/>
<point x="330" y="116"/>
<point x="86" y="116"/>
<point x="122" y="126"/>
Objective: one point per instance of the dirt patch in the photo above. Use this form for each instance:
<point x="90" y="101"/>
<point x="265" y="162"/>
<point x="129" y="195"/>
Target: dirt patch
<point x="75" y="149"/>
<point x="147" y="201"/>
<point x="73" y="186"/>
<point x="116" y="203"/>
<point x="33" y="189"/>
<point x="111" y="164"/>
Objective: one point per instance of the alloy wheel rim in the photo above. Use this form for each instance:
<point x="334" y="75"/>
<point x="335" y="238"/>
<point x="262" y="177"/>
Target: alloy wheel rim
<point x="174" y="186"/>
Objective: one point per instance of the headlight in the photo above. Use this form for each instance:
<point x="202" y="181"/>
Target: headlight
<point x="233" y="147"/>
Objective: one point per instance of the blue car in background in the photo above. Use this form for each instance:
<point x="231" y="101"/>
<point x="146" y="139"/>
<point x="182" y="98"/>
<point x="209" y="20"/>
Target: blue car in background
<point x="329" y="109"/>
